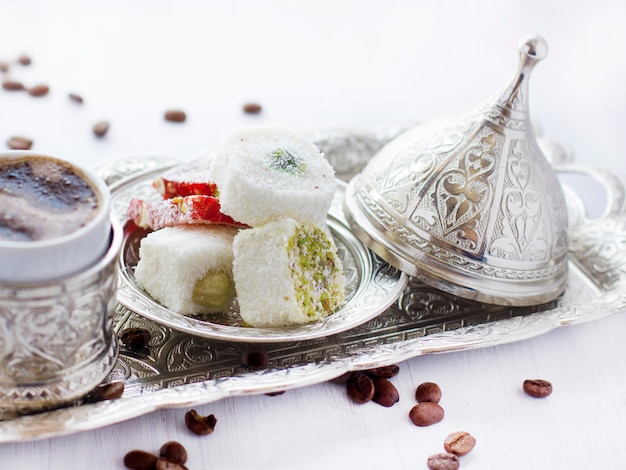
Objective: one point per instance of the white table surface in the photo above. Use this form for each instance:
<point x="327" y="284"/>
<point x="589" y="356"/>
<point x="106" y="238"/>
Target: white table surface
<point x="363" y="64"/>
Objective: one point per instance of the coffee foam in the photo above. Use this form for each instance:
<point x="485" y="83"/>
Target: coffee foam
<point x="43" y="198"/>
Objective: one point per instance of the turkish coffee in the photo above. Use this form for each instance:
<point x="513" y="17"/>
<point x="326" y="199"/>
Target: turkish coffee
<point x="43" y="198"/>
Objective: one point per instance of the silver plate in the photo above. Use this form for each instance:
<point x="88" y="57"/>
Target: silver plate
<point x="371" y="284"/>
<point x="182" y="370"/>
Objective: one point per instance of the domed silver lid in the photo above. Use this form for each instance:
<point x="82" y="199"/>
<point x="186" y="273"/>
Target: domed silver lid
<point x="469" y="204"/>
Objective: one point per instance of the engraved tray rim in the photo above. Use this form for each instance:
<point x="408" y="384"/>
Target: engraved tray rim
<point x="610" y="283"/>
<point x="66" y="421"/>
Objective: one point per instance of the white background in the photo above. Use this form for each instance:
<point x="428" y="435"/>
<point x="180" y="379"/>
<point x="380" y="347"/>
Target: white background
<point x="364" y="64"/>
<point x="355" y="63"/>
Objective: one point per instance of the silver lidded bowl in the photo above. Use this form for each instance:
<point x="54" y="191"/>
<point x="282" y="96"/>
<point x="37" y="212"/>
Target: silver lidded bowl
<point x="469" y="204"/>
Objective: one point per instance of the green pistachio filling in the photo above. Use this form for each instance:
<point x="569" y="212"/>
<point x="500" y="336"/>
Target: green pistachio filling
<point x="283" y="160"/>
<point x="212" y="290"/>
<point x="316" y="272"/>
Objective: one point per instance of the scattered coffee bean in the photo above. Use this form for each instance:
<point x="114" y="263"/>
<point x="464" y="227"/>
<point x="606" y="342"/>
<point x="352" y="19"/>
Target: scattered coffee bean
<point x="361" y="389"/>
<point x="75" y="98"/>
<point x="175" y="115"/>
<point x="172" y="456"/>
<point x="385" y="372"/>
<point x="174" y="452"/>
<point x="459" y="443"/>
<point x="39" y="90"/>
<point x="164" y="464"/>
<point x="537" y="388"/>
<point x="343" y="378"/>
<point x="135" y="338"/>
<point x="200" y="425"/>
<point x="140" y="460"/>
<point x="252" y="108"/>
<point x="426" y="413"/>
<point x="385" y="393"/>
<point x="19" y="143"/>
<point x="428" y="391"/>
<point x="255" y="357"/>
<point x="443" y="462"/>
<point x="275" y="394"/>
<point x="24" y="59"/>
<point x="4" y="66"/>
<point x="101" y="128"/>
<point x="12" y="85"/>
<point x="110" y="391"/>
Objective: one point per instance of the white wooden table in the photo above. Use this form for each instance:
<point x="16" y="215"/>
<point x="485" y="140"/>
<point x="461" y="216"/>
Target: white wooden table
<point x="360" y="64"/>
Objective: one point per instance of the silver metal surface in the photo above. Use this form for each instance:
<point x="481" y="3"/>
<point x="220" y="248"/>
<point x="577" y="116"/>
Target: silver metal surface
<point x="469" y="204"/>
<point x="56" y="338"/>
<point x="182" y="370"/>
<point x="371" y="284"/>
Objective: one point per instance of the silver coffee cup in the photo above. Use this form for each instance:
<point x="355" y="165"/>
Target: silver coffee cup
<point x="56" y="335"/>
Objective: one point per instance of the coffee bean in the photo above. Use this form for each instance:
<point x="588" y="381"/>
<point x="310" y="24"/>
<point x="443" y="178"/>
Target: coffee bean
<point x="361" y="389"/>
<point x="39" y="90"/>
<point x="140" y="460"/>
<point x="12" y="85"/>
<point x="24" y="59"/>
<point x="255" y="357"/>
<point x="19" y="143"/>
<point x="275" y="394"/>
<point x="175" y="115"/>
<point x="110" y="391"/>
<point x="459" y="443"/>
<point x="174" y="452"/>
<point x="4" y="66"/>
<point x="135" y="338"/>
<point x="426" y="413"/>
<point x="343" y="378"/>
<point x="443" y="462"/>
<point x="428" y="391"/>
<point x="385" y="372"/>
<point x="164" y="464"/>
<point x="537" y="388"/>
<point x="101" y="128"/>
<point x="200" y="425"/>
<point x="385" y="393"/>
<point x="252" y="108"/>
<point x="75" y="98"/>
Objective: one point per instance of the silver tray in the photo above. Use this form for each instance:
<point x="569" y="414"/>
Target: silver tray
<point x="371" y="284"/>
<point x="182" y="370"/>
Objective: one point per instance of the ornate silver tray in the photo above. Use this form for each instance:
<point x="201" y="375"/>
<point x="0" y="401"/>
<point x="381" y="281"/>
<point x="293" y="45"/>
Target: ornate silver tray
<point x="371" y="284"/>
<point x="182" y="370"/>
